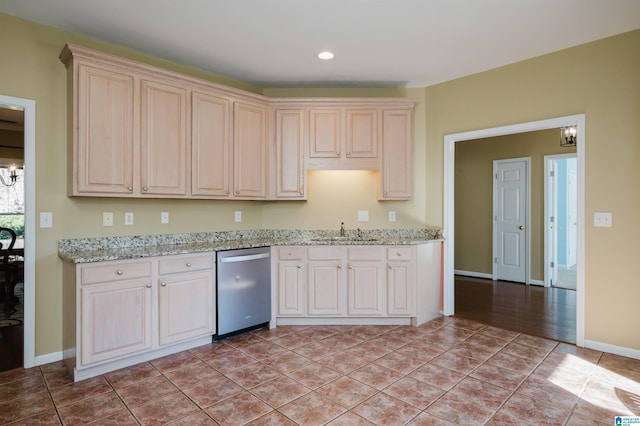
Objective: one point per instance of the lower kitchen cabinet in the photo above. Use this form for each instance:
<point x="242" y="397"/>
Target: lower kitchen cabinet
<point x="115" y="319"/>
<point x="121" y="313"/>
<point x="363" y="283"/>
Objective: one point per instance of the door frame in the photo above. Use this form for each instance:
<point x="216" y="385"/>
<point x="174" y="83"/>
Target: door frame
<point x="527" y="233"/>
<point x="29" y="325"/>
<point x="450" y="140"/>
<point x="548" y="273"/>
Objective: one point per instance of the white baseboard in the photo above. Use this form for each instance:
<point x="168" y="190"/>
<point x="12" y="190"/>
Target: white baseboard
<point x="48" y="358"/>
<point x="473" y="274"/>
<point x="612" y="349"/>
<point x="536" y="282"/>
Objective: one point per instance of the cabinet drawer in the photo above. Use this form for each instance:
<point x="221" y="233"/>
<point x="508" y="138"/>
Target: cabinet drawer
<point x="325" y="253"/>
<point x="399" y="253"/>
<point x="175" y="265"/>
<point x="366" y="253"/>
<point x="107" y="272"/>
<point x="286" y="253"/>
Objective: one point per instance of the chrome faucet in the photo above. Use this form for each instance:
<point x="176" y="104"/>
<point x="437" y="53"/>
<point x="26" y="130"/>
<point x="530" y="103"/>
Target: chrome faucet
<point x="342" y="231"/>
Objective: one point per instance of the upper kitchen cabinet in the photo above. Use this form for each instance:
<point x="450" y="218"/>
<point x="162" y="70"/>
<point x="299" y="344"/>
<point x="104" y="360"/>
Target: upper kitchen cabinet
<point x="163" y="138"/>
<point x="142" y="131"/>
<point x="343" y="137"/>
<point x="396" y="168"/>
<point x="102" y="131"/>
<point x="210" y="145"/>
<point x="289" y="174"/>
<point x="250" y="142"/>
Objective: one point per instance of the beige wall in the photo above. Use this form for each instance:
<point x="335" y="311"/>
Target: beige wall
<point x="474" y="195"/>
<point x="601" y="80"/>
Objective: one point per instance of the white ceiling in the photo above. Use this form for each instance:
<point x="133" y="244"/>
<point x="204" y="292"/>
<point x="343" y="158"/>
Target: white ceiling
<point x="273" y="43"/>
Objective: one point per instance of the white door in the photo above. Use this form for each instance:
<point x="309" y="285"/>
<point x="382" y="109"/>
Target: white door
<point x="551" y="221"/>
<point x="510" y="219"/>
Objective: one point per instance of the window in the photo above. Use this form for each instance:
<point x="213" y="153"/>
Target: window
<point x="12" y="201"/>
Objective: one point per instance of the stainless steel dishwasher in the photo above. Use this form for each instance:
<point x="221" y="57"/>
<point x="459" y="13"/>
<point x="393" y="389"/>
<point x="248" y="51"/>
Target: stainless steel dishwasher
<point x="243" y="289"/>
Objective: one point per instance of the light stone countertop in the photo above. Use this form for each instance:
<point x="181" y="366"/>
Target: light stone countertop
<point x="88" y="250"/>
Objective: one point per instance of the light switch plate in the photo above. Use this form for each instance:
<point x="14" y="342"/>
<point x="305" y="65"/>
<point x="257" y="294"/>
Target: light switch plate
<point x="392" y="216"/>
<point x="128" y="218"/>
<point x="603" y="219"/>
<point x="164" y="217"/>
<point x="363" y="216"/>
<point x="46" y="220"/>
<point x="238" y="216"/>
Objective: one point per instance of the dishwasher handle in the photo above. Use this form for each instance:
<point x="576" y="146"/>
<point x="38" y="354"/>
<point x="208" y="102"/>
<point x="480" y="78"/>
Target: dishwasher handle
<point x="243" y="258"/>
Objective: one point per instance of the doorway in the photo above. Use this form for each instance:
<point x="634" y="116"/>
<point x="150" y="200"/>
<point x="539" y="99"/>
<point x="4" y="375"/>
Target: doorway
<point x="561" y="200"/>
<point x="449" y="207"/>
<point x="24" y="290"/>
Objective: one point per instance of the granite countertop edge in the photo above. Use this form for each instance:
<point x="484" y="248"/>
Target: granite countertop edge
<point x="101" y="249"/>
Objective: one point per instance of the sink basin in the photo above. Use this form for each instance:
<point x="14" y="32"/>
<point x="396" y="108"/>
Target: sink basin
<point x="345" y="239"/>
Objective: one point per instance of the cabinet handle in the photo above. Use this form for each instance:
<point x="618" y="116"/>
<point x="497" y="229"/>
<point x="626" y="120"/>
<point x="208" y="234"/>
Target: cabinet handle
<point x="130" y="188"/>
<point x="188" y="264"/>
<point x="338" y="153"/>
<point x="385" y="193"/>
<point x="119" y="272"/>
<point x="350" y="267"/>
<point x="144" y="188"/>
<point x="339" y="266"/>
<point x="399" y="254"/>
<point x="163" y="284"/>
<point x="237" y="192"/>
<point x="301" y="192"/>
<point x="298" y="266"/>
<point x="348" y="153"/>
<point x="148" y="285"/>
<point x="390" y="267"/>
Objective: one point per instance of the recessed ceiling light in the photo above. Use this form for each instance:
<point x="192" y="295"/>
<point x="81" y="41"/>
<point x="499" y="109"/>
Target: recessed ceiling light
<point x="326" y="55"/>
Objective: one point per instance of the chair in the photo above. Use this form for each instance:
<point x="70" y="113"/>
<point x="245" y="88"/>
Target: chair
<point x="9" y="273"/>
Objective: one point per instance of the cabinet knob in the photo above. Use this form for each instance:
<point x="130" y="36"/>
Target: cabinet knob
<point x="350" y="267"/>
<point x="301" y="192"/>
<point x="148" y="285"/>
<point x="339" y="266"/>
<point x="237" y="192"/>
<point x="144" y="188"/>
<point x="130" y="188"/>
<point x="398" y="254"/>
<point x="390" y="267"/>
<point x="163" y="284"/>
<point x="348" y="153"/>
<point x="298" y="266"/>
<point x="338" y="153"/>
<point x="188" y="264"/>
<point x="226" y="191"/>
<point x="385" y="193"/>
<point x="119" y="272"/>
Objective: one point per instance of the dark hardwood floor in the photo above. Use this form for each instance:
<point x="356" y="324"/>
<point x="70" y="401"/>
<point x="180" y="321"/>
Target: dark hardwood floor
<point x="535" y="310"/>
<point x="11" y="347"/>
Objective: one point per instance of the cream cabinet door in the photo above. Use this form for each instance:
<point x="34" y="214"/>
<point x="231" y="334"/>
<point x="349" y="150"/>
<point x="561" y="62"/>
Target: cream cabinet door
<point x="291" y="288"/>
<point x="163" y="144"/>
<point x="103" y="155"/>
<point x="362" y="133"/>
<point x="325" y="133"/>
<point x="116" y="320"/>
<point x="186" y="306"/>
<point x="325" y="288"/>
<point x="210" y="145"/>
<point x="290" y="171"/>
<point x="250" y="150"/>
<point x="401" y="281"/>
<point x="365" y="284"/>
<point x="396" y="171"/>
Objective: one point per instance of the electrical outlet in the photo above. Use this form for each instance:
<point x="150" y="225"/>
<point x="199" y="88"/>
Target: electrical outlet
<point x="128" y="218"/>
<point x="392" y="216"/>
<point x="107" y="218"/>
<point x="164" y="217"/>
<point x="363" y="216"/>
<point x="238" y="216"/>
<point x="603" y="219"/>
<point x="46" y="220"/>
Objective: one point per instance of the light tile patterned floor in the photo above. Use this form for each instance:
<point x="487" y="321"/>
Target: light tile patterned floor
<point x="448" y="371"/>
